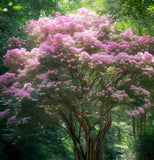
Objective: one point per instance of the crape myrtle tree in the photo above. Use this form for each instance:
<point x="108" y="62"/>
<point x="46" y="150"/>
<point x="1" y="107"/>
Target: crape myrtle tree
<point x="79" y="71"/>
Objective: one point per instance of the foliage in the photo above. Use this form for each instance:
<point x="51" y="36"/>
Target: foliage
<point x="140" y="11"/>
<point x="110" y="145"/>
<point x="34" y="147"/>
<point x="137" y="15"/>
<point x="24" y="150"/>
<point x="142" y="8"/>
<point x="144" y="144"/>
<point x="32" y="140"/>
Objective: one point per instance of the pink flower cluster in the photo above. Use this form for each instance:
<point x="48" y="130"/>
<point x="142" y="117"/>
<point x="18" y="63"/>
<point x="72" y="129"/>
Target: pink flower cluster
<point x="45" y="75"/>
<point x="128" y="33"/>
<point x="135" y="112"/>
<point x="17" y="92"/>
<point x="119" y="95"/>
<point x="16" y="58"/>
<point x="11" y="119"/>
<point x="132" y="44"/>
<point x="6" y="80"/>
<point x="140" y="90"/>
<point x="22" y="120"/>
<point x="4" y="112"/>
<point x="15" y="43"/>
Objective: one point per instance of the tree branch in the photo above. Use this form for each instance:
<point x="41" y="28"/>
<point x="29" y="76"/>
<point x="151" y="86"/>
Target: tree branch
<point x="102" y="116"/>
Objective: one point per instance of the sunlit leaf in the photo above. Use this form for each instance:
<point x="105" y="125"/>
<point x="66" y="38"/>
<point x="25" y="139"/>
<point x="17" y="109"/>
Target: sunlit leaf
<point x="10" y="3"/>
<point x="5" y="10"/>
<point x="17" y="7"/>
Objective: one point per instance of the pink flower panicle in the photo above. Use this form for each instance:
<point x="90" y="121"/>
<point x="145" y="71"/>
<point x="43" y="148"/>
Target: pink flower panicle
<point x="140" y="90"/>
<point x="11" y="119"/>
<point x="6" y="80"/>
<point x="16" y="58"/>
<point x="4" y="112"/>
<point x="127" y="33"/>
<point x="141" y="110"/>
<point x="15" y="43"/>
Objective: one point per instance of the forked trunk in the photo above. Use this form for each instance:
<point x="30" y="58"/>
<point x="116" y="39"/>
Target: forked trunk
<point x="92" y="148"/>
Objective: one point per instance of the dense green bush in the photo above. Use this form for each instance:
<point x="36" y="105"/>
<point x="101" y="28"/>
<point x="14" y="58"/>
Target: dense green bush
<point x="144" y="145"/>
<point x="26" y="149"/>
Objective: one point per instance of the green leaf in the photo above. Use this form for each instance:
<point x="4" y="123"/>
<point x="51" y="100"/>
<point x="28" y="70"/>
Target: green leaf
<point x="17" y="7"/>
<point x="96" y="127"/>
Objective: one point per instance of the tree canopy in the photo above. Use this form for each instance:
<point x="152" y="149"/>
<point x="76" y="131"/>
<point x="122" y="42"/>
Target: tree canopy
<point x="79" y="70"/>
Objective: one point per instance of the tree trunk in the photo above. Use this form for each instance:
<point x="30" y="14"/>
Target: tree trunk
<point x="102" y="133"/>
<point x="99" y="153"/>
<point x="134" y="130"/>
<point x="76" y="153"/>
<point x="143" y="120"/>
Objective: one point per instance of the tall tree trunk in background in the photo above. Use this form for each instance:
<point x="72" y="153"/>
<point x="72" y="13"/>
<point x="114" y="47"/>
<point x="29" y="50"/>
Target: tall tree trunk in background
<point x="143" y="120"/>
<point x="134" y="129"/>
<point x="119" y="131"/>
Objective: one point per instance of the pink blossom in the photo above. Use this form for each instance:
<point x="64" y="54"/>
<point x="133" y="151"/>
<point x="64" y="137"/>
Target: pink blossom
<point x="141" y="110"/>
<point x="119" y="95"/>
<point x="57" y="89"/>
<point x="6" y="79"/>
<point x="57" y="14"/>
<point x="68" y="61"/>
<point x="5" y="112"/>
<point x="50" y="113"/>
<point x="128" y="33"/>
<point x="140" y="90"/>
<point x="28" y="87"/>
<point x="136" y="112"/>
<point x="15" y="43"/>
<point x="11" y="119"/>
<point x="102" y="58"/>
<point x="44" y="47"/>
<point x="148" y="57"/>
<point x="84" y="56"/>
<point x="59" y="82"/>
<point x="129" y="113"/>
<point x="50" y="84"/>
<point x="128" y="79"/>
<point x="16" y="58"/>
<point x="24" y="120"/>
<point x="146" y="105"/>
<point x="19" y="137"/>
<point x="67" y="82"/>
<point x="130" y="100"/>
